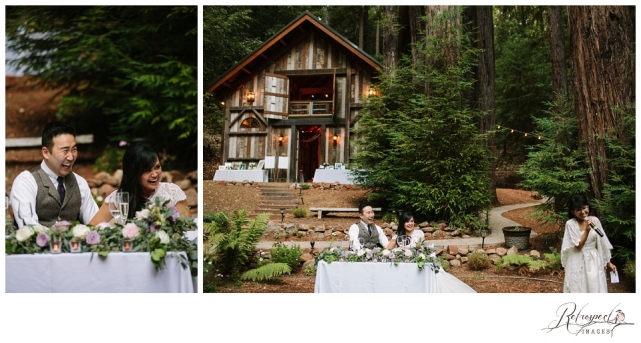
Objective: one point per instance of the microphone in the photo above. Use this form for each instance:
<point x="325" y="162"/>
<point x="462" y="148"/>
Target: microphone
<point x="593" y="227"/>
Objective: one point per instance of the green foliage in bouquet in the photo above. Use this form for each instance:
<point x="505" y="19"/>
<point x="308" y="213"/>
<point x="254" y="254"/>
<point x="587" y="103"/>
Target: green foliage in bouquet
<point x="280" y="253"/>
<point x="230" y="242"/>
<point x="156" y="229"/>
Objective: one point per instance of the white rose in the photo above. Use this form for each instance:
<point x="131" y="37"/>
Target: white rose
<point x="433" y="255"/>
<point x="40" y="229"/>
<point x="24" y="233"/>
<point x="361" y="252"/>
<point x="421" y="255"/>
<point x="386" y="252"/>
<point x="141" y="215"/>
<point x="80" y="231"/>
<point x="164" y="238"/>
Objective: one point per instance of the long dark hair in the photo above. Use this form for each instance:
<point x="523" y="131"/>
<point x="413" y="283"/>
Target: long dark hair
<point x="404" y="218"/>
<point x="576" y="202"/>
<point x="139" y="158"/>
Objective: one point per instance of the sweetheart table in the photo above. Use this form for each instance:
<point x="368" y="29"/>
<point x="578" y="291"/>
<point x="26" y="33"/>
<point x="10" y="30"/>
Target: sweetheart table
<point x="79" y="273"/>
<point x="369" y="277"/>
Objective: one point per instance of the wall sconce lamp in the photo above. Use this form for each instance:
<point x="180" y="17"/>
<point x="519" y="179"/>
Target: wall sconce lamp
<point x="335" y="138"/>
<point x="372" y="91"/>
<point x="281" y="138"/>
<point x="251" y="97"/>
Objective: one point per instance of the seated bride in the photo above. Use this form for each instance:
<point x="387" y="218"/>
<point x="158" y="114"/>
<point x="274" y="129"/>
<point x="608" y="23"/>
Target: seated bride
<point x="141" y="179"/>
<point x="406" y="233"/>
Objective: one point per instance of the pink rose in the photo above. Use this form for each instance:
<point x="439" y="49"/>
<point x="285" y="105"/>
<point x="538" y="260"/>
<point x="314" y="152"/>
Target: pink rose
<point x="130" y="231"/>
<point x="61" y="226"/>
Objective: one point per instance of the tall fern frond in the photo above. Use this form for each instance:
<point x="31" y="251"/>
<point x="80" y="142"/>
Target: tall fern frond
<point x="266" y="272"/>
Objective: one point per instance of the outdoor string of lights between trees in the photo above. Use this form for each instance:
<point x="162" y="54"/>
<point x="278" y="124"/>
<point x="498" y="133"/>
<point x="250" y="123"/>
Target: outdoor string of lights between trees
<point x="525" y="134"/>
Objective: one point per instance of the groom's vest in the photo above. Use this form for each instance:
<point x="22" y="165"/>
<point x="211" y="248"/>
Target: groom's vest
<point x="370" y="242"/>
<point x="48" y="205"/>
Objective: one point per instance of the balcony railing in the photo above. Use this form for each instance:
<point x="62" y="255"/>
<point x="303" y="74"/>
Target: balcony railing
<point x="311" y="107"/>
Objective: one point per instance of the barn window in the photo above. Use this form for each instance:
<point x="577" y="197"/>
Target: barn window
<point x="249" y="123"/>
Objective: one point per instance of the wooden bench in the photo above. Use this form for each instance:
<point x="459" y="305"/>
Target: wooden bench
<point x="326" y="210"/>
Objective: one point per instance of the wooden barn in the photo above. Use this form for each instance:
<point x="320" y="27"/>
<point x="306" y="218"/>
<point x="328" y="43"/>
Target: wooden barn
<point x="297" y="97"/>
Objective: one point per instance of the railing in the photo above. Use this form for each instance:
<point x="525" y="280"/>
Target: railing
<point x="311" y="107"/>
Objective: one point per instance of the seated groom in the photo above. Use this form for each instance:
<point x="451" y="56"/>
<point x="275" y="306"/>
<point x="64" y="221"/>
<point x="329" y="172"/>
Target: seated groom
<point x="372" y="234"/>
<point x="51" y="191"/>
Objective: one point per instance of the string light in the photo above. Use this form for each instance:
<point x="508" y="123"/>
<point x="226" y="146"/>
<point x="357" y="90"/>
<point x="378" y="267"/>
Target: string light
<point x="525" y="134"/>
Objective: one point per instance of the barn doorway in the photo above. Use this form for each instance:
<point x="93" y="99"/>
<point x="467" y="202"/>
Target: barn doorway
<point x="309" y="156"/>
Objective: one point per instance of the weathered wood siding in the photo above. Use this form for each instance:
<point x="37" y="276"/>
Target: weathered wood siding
<point x="334" y="152"/>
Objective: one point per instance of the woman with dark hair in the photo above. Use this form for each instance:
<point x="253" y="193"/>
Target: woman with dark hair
<point x="585" y="252"/>
<point x="406" y="228"/>
<point x="141" y="179"/>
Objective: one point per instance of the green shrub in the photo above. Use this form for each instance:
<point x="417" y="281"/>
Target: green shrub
<point x="478" y="261"/>
<point x="390" y="217"/>
<point x="554" y="259"/>
<point x="522" y="260"/>
<point x="630" y="270"/>
<point x="310" y="271"/>
<point x="109" y="161"/>
<point x="280" y="253"/>
<point x="266" y="272"/>
<point x="230" y="243"/>
<point x="305" y="186"/>
<point x="299" y="212"/>
<point x="443" y="260"/>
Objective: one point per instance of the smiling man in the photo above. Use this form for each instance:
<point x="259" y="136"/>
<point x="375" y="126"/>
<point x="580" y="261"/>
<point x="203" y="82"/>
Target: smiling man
<point x="52" y="191"/>
<point x="372" y="234"/>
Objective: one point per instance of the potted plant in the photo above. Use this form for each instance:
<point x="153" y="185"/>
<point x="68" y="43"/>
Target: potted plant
<point x="518" y="236"/>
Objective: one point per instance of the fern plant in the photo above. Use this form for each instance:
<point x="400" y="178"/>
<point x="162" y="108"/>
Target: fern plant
<point x="231" y="242"/>
<point x="266" y="272"/>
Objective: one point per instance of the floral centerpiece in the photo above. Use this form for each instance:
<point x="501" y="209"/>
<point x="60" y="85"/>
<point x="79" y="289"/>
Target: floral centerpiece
<point x="157" y="229"/>
<point x="422" y="254"/>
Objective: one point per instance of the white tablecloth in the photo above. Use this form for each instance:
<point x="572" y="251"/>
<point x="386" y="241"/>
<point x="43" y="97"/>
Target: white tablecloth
<point x="256" y="175"/>
<point x="369" y="277"/>
<point x="332" y="175"/>
<point x="78" y="273"/>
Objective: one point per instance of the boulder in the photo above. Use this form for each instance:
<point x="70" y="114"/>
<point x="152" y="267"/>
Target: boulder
<point x="494" y="258"/>
<point x="112" y="181"/>
<point x="192" y="197"/>
<point x="319" y="228"/>
<point x="306" y="257"/>
<point x="183" y="184"/>
<point x="176" y="176"/>
<point x="327" y="233"/>
<point x="490" y="251"/>
<point x="512" y="250"/>
<point x="94" y="183"/>
<point x="167" y="177"/>
<point x="309" y="264"/>
<point x="429" y="229"/>
<point x="501" y="251"/>
<point x="452" y="249"/>
<point x="423" y="224"/>
<point x="448" y="229"/>
<point x="118" y="174"/>
<point x="101" y="177"/>
<point x="193" y="176"/>
<point x="441" y="226"/>
<point x="463" y="251"/>
<point x="455" y="263"/>
<point x="105" y="190"/>
<point x="456" y="233"/>
<point x="339" y="235"/>
<point x="463" y="259"/>
<point x="388" y="232"/>
<point x="291" y="229"/>
<point x="535" y="254"/>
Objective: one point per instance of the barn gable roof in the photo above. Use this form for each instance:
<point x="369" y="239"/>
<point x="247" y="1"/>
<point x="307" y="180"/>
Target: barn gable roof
<point x="278" y="45"/>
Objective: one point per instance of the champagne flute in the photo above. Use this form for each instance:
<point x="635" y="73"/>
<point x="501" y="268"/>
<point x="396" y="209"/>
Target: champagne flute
<point x="401" y="241"/>
<point x="113" y="209"/>
<point x="361" y="241"/>
<point x="123" y="205"/>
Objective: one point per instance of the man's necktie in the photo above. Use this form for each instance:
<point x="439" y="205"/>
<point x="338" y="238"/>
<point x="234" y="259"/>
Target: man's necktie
<point x="61" y="188"/>
<point x="369" y="229"/>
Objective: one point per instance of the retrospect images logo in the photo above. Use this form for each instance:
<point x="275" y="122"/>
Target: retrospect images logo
<point x="584" y="321"/>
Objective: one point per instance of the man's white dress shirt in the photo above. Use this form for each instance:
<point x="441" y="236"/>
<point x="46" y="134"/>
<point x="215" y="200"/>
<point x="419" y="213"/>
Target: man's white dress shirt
<point x="353" y="235"/>
<point x="25" y="190"/>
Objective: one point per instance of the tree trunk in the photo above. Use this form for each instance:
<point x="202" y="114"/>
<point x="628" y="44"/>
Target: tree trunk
<point x="390" y="39"/>
<point x="416" y="27"/>
<point x="557" y="51"/>
<point x="603" y="77"/>
<point x="361" y="27"/>
<point x="482" y="28"/>
<point x="378" y="30"/>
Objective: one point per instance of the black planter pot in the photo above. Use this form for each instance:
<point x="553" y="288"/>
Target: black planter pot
<point x="517" y="238"/>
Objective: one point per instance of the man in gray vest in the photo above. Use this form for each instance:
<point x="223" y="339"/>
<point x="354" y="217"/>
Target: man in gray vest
<point x="51" y="191"/>
<point x="372" y="234"/>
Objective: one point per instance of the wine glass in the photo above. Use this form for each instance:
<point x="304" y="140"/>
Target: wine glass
<point x="401" y="241"/>
<point x="113" y="209"/>
<point x="123" y="204"/>
<point x="361" y="241"/>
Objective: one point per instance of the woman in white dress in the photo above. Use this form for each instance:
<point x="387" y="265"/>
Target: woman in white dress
<point x="406" y="228"/>
<point x="141" y="179"/>
<point x="585" y="253"/>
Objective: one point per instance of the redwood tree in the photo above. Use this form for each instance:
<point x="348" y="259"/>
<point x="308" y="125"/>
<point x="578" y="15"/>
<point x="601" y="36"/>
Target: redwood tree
<point x="603" y="77"/>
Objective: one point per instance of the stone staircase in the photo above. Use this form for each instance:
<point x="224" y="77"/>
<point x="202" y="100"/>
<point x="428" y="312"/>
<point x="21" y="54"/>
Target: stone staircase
<point x="276" y="196"/>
